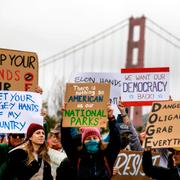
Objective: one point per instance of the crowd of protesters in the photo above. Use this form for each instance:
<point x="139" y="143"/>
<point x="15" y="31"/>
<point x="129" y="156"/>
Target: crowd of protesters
<point x="78" y="153"/>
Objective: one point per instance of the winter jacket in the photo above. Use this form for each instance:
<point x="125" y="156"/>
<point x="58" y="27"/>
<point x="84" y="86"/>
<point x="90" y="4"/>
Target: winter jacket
<point x="66" y="170"/>
<point x="158" y="172"/>
<point x="4" y="149"/>
<point x="19" y="169"/>
<point x="97" y="166"/>
<point x="134" y="142"/>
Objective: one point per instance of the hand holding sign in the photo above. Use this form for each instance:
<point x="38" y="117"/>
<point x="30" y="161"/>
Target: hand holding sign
<point x="129" y="165"/>
<point x="110" y="111"/>
<point x="39" y="90"/>
<point x="121" y="106"/>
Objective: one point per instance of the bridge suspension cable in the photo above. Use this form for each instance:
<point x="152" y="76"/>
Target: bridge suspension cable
<point x="161" y="36"/>
<point x="103" y="34"/>
<point x="165" y="31"/>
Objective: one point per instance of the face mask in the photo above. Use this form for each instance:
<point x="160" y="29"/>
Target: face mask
<point x="92" y="146"/>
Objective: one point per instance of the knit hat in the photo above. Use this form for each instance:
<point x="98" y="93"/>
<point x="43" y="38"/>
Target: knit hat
<point x="32" y="128"/>
<point x="88" y="131"/>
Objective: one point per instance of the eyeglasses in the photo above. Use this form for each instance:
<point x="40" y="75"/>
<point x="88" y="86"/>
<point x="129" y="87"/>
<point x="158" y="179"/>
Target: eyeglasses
<point x="14" y="136"/>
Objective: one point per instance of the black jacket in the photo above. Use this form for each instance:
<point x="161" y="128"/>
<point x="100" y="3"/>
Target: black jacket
<point x="157" y="172"/>
<point x="98" y="166"/>
<point x="19" y="169"/>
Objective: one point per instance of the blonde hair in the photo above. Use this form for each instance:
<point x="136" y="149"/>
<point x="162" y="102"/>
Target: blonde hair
<point x="42" y="152"/>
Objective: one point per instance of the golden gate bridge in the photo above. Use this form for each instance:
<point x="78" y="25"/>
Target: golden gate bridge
<point x="133" y="42"/>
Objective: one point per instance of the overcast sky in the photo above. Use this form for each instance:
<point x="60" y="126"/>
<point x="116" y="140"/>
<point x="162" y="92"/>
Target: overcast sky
<point x="50" y="26"/>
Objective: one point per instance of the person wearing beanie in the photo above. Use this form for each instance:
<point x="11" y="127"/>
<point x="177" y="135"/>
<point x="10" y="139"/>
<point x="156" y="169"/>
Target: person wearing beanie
<point x="88" y="131"/>
<point x="91" y="139"/>
<point x="88" y="157"/>
<point x="32" y="128"/>
<point x="30" y="160"/>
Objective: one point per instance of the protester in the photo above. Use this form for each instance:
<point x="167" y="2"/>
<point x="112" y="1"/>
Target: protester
<point x="54" y="138"/>
<point x="129" y="137"/>
<point x="162" y="173"/>
<point x="30" y="160"/>
<point x="90" y="159"/>
<point x="55" y="150"/>
<point x="13" y="140"/>
<point x="164" y="152"/>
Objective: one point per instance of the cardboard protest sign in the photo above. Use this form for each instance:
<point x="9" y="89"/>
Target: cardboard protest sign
<point x="18" y="109"/>
<point x="18" y="70"/>
<point x="162" y="129"/>
<point x="129" y="165"/>
<point x="142" y="86"/>
<point x="101" y="77"/>
<point x="86" y="105"/>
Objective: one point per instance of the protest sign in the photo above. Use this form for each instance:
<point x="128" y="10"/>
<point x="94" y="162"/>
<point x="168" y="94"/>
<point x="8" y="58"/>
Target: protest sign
<point x="86" y="105"/>
<point x="18" y="70"/>
<point x="18" y="110"/>
<point x="97" y="77"/>
<point x="129" y="165"/>
<point x="142" y="86"/>
<point x="162" y="129"/>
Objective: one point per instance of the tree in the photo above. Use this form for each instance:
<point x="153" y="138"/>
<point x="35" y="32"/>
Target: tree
<point x="55" y="98"/>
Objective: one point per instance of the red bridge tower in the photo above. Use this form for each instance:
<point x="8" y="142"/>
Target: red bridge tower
<point x="135" y="57"/>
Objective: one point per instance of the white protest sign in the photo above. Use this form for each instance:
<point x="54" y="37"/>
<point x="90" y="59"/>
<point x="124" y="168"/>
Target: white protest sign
<point x="142" y="86"/>
<point x="18" y="109"/>
<point x="97" y="77"/>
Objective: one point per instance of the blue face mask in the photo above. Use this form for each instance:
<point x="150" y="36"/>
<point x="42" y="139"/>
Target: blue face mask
<point x="92" y="146"/>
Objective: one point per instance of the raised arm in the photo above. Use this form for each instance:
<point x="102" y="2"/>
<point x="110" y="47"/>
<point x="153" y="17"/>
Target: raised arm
<point x="135" y="144"/>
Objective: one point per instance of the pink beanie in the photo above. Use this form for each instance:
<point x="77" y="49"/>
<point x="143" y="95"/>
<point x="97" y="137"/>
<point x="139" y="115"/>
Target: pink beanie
<point x="32" y="128"/>
<point x="88" y="131"/>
